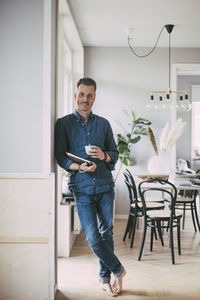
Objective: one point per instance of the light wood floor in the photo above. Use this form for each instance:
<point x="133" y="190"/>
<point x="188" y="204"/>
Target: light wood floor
<point x="152" y="278"/>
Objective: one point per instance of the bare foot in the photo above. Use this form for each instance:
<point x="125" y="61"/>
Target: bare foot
<point x="117" y="285"/>
<point x="108" y="289"/>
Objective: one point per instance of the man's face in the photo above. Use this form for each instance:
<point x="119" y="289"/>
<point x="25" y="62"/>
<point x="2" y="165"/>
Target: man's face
<point x="85" y="96"/>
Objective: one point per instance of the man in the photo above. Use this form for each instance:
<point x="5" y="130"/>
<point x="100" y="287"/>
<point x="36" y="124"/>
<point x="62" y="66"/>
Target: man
<point x="92" y="185"/>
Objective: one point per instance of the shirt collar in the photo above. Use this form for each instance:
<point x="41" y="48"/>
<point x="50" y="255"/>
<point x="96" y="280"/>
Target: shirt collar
<point x="79" y="117"/>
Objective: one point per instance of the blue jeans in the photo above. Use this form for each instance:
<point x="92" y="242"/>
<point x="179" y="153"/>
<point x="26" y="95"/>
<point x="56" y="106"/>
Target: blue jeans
<point x="96" y="217"/>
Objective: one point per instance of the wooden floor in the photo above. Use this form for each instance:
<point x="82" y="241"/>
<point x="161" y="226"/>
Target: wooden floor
<point x="152" y="278"/>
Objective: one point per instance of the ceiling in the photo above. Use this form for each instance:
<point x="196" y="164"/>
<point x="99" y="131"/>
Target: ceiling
<point x="101" y="23"/>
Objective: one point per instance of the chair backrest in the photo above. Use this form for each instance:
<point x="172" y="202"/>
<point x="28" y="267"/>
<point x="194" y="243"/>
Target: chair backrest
<point x="129" y="181"/>
<point x="132" y="181"/>
<point x="188" y="193"/>
<point x="164" y="186"/>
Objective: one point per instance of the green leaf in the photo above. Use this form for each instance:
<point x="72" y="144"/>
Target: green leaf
<point x="121" y="138"/>
<point x="134" y="115"/>
<point x="142" y="131"/>
<point x="135" y="140"/>
<point x="143" y="121"/>
<point x="123" y="149"/>
<point x="122" y="142"/>
<point x="127" y="161"/>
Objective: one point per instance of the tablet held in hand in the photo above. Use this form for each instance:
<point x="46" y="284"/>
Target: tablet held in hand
<point x="78" y="159"/>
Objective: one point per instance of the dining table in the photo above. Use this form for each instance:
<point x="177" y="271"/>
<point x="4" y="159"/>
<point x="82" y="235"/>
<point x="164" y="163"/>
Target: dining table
<point x="181" y="182"/>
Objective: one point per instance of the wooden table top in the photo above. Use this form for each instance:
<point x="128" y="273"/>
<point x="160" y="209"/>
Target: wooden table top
<point x="149" y="176"/>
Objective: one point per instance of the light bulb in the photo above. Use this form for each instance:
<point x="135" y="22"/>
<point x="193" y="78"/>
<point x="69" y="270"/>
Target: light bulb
<point x="150" y="105"/>
<point x="181" y="106"/>
<point x="164" y="106"/>
<point x="188" y="105"/>
<point x="156" y="106"/>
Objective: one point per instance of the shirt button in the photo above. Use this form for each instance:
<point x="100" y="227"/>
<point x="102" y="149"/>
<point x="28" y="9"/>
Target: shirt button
<point x="88" y="133"/>
<point x="93" y="178"/>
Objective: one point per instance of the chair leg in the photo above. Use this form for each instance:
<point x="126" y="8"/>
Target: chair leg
<point x="127" y="227"/>
<point x="155" y="234"/>
<point x="152" y="233"/>
<point x="193" y="220"/>
<point x="167" y="226"/>
<point x="183" y="223"/>
<point x="179" y="236"/>
<point x="196" y="215"/>
<point x="131" y="226"/>
<point x="172" y="242"/>
<point x="160" y="233"/>
<point x="133" y="230"/>
<point x="143" y="239"/>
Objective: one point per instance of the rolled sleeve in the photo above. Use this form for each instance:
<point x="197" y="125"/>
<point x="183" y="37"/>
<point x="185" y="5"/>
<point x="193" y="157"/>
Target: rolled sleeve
<point x="68" y="164"/>
<point x="111" y="148"/>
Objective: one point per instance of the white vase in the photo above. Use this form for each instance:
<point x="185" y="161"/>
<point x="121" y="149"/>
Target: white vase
<point x="159" y="164"/>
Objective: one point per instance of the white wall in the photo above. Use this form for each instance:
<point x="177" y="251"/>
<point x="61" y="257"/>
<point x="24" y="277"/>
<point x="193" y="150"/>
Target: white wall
<point x="21" y="75"/>
<point x="27" y="189"/>
<point x="125" y="82"/>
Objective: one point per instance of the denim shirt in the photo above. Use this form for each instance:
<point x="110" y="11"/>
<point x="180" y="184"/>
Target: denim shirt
<point x="72" y="135"/>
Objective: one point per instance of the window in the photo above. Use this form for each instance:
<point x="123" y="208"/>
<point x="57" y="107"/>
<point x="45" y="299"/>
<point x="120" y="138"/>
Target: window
<point x="67" y="80"/>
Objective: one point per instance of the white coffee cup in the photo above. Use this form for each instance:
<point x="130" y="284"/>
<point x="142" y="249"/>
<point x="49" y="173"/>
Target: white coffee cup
<point x="88" y="148"/>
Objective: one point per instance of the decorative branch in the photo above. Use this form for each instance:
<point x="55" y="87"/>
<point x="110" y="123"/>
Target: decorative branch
<point x="163" y="136"/>
<point x="152" y="139"/>
<point x="170" y="136"/>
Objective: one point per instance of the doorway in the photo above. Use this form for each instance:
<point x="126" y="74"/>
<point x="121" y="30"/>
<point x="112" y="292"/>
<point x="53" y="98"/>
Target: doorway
<point x="190" y="71"/>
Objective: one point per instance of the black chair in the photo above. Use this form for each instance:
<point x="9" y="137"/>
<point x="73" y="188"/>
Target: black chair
<point x="148" y="199"/>
<point x="135" y="207"/>
<point x="160" y="219"/>
<point x="186" y="200"/>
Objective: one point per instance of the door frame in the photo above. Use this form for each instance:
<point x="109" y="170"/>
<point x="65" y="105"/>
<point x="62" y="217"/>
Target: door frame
<point x="178" y="69"/>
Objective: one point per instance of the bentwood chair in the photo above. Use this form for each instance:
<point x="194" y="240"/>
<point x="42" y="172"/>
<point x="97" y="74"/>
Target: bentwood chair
<point x="159" y="219"/>
<point x="186" y="200"/>
<point x="135" y="210"/>
<point x="148" y="199"/>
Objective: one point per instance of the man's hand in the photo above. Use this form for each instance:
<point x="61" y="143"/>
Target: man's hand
<point x="85" y="168"/>
<point x="96" y="152"/>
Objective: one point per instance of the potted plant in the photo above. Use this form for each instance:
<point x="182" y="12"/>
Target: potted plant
<point x="137" y="128"/>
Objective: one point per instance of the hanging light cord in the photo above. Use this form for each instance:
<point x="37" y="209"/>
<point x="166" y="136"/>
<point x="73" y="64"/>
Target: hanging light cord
<point x="169" y="60"/>
<point x="151" y="49"/>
